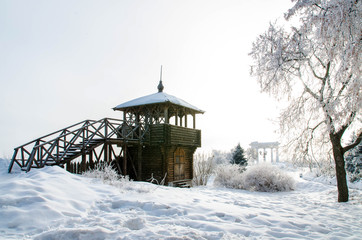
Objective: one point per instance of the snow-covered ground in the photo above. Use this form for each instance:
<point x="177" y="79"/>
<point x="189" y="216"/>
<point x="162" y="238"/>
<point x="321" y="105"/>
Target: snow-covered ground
<point x="51" y="203"/>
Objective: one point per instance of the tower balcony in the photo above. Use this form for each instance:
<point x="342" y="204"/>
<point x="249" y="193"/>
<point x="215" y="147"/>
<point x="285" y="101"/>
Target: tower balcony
<point x="167" y="134"/>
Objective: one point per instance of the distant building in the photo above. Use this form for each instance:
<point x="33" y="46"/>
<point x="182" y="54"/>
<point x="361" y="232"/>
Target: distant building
<point x="259" y="150"/>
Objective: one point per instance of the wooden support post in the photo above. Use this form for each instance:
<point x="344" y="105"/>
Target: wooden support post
<point x="67" y="167"/>
<point x="185" y="120"/>
<point x="84" y="160"/>
<point x="125" y="160"/>
<point x="91" y="162"/>
<point x="176" y="118"/>
<point x="194" y="120"/>
<point x="137" y="119"/>
<point x="139" y="163"/>
<point x="105" y="152"/>
<point x="166" y="115"/>
<point x="13" y="160"/>
<point x="118" y="166"/>
<point x="110" y="149"/>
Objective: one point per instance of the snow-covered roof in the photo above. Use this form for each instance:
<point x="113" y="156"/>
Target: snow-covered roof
<point x="160" y="97"/>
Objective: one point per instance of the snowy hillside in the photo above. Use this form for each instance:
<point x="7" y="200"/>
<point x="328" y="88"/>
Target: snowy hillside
<point x="51" y="203"/>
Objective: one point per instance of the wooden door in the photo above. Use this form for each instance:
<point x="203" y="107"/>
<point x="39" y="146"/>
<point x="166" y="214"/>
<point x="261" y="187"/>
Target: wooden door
<point x="179" y="164"/>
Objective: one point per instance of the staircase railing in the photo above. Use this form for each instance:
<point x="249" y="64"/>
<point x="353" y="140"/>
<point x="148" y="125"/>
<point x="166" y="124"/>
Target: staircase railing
<point x="68" y="143"/>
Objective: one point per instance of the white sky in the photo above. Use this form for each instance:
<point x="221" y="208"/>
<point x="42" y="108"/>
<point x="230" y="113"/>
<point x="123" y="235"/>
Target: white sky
<point x="62" y="62"/>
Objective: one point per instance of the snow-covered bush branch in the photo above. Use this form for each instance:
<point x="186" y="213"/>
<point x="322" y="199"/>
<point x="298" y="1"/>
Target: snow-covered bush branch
<point x="267" y="178"/>
<point x="203" y="168"/>
<point x="229" y="175"/>
<point x="107" y="175"/>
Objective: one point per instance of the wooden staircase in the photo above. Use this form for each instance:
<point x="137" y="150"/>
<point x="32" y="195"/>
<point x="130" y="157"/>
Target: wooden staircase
<point x="185" y="183"/>
<point x="78" y="140"/>
<point x="73" y="152"/>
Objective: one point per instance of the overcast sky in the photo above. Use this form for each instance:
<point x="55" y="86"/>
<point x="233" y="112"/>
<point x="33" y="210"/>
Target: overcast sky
<point x="62" y="62"/>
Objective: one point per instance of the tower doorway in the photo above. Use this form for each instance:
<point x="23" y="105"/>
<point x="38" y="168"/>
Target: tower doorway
<point x="179" y="164"/>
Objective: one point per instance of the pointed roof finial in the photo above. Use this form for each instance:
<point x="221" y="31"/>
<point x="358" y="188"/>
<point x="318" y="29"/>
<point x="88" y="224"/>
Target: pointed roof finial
<point x="160" y="85"/>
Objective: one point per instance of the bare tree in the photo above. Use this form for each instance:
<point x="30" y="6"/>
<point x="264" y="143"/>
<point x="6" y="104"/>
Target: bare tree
<point x="316" y="67"/>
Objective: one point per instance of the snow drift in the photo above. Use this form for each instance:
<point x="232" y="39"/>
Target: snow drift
<point x="51" y="203"/>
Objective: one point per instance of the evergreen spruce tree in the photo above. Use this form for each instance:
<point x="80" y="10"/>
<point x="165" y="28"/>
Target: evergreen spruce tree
<point x="238" y="156"/>
<point x="353" y="161"/>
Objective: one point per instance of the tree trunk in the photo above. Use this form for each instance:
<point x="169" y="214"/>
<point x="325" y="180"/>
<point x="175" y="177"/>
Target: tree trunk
<point x="340" y="169"/>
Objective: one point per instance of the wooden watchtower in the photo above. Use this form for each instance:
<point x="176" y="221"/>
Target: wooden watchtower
<point x="168" y="137"/>
<point x="156" y="137"/>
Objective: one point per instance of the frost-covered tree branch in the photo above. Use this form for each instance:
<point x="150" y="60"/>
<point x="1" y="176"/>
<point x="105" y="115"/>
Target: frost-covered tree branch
<point x="353" y="144"/>
<point x="316" y="66"/>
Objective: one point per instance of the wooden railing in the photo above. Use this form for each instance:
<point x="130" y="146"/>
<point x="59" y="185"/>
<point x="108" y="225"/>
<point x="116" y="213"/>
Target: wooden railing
<point x="66" y="144"/>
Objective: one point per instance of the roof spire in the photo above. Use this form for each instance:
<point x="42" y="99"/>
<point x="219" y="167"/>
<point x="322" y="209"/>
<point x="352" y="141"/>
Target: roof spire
<point x="160" y="85"/>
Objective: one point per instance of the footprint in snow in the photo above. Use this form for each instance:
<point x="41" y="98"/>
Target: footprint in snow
<point x="220" y="214"/>
<point x="249" y="216"/>
<point x="134" y="223"/>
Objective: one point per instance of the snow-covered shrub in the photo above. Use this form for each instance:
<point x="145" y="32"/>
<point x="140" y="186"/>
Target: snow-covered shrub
<point x="261" y="178"/>
<point x="107" y="174"/>
<point x="324" y="168"/>
<point x="221" y="157"/>
<point x="267" y="178"/>
<point x="203" y="168"/>
<point x="229" y="175"/>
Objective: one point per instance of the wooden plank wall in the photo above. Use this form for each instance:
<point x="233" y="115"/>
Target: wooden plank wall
<point x="157" y="160"/>
<point x="158" y="134"/>
<point x="184" y="136"/>
<point x="174" y="135"/>
<point x="152" y="163"/>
